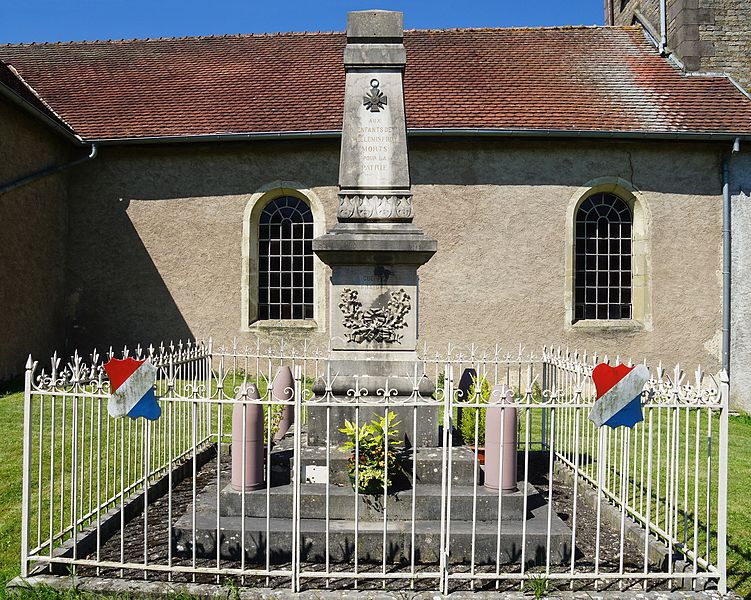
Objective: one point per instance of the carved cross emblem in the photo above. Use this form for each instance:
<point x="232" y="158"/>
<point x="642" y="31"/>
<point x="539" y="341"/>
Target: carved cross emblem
<point x="375" y="99"/>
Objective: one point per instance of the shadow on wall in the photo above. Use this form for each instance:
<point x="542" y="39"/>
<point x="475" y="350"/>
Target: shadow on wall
<point x="648" y="165"/>
<point x="116" y="293"/>
<point x="119" y="296"/>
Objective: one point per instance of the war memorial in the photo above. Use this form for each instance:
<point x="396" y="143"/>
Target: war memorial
<point x="374" y="463"/>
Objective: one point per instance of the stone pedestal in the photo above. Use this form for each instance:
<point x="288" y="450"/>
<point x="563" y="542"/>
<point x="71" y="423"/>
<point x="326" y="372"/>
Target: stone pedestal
<point x="374" y="250"/>
<point x="269" y="521"/>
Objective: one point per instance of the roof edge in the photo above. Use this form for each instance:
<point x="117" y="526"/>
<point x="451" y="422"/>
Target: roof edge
<point x="582" y="133"/>
<point x="38" y="96"/>
<point x="426" y="132"/>
<point x="54" y="122"/>
<point x="311" y="33"/>
<point x="743" y="91"/>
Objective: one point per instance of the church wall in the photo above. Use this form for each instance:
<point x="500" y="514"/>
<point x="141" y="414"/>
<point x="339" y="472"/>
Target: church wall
<point x="508" y="240"/>
<point x="729" y="32"/>
<point x="740" y="351"/>
<point x="624" y="12"/>
<point x="32" y="252"/>
<point x="155" y="245"/>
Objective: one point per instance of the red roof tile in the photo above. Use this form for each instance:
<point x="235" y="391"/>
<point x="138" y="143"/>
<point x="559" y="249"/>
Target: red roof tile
<point x="566" y="78"/>
<point x="11" y="80"/>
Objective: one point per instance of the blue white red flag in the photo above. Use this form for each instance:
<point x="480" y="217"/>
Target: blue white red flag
<point x="619" y="391"/>
<point x="132" y="389"/>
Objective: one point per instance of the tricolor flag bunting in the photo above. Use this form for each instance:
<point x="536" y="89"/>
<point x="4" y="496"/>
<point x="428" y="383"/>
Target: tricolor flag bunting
<point x="618" y="395"/>
<point x="132" y="385"/>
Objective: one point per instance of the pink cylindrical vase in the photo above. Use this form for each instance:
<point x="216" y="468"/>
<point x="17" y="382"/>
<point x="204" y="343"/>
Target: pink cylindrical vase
<point x="500" y="441"/>
<point x="283" y="390"/>
<point x="247" y="472"/>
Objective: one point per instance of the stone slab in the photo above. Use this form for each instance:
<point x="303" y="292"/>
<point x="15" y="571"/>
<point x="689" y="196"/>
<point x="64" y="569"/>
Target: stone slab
<point x="341" y="500"/>
<point x="375" y="24"/>
<point x="274" y="537"/>
<point x="374" y="136"/>
<point x="167" y="589"/>
<point x="372" y="289"/>
<point x="429" y="461"/>
<point x="378" y="244"/>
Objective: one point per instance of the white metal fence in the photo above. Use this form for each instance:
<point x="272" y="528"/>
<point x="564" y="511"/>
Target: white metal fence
<point x="595" y="508"/>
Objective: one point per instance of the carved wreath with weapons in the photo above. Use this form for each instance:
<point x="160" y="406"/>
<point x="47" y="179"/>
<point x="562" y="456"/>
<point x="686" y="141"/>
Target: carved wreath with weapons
<point x="381" y="324"/>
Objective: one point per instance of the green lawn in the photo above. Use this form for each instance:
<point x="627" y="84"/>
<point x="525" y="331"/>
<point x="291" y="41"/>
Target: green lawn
<point x="11" y="418"/>
<point x="11" y="424"/>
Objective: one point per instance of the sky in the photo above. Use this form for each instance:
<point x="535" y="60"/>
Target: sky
<point x="65" y="20"/>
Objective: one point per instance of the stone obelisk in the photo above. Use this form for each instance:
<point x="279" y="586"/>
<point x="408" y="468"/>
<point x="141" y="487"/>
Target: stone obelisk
<point x="374" y="250"/>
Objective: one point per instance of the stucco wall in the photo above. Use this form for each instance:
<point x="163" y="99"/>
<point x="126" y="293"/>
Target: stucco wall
<point x="155" y="248"/>
<point x="505" y="251"/>
<point x="32" y="256"/>
<point x="740" y="350"/>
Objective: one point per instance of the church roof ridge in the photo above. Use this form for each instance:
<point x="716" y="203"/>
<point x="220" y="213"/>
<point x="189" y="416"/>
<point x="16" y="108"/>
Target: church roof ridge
<point x="274" y="34"/>
<point x="219" y="36"/>
<point x="525" y="28"/>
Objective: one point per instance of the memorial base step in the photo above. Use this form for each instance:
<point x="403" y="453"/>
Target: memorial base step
<point x="260" y="535"/>
<point x="465" y="500"/>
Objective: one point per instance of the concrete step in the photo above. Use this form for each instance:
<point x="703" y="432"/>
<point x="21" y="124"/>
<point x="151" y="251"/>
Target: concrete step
<point x="370" y="532"/>
<point x="277" y="534"/>
<point x="370" y="507"/>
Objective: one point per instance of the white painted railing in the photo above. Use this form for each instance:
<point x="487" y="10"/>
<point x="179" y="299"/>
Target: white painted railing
<point x="115" y="497"/>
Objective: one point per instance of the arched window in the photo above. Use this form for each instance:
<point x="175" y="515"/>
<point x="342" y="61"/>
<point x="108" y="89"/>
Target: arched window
<point x="285" y="260"/>
<point x="603" y="280"/>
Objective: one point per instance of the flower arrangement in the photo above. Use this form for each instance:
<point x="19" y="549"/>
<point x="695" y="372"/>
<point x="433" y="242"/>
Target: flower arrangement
<point x="374" y="447"/>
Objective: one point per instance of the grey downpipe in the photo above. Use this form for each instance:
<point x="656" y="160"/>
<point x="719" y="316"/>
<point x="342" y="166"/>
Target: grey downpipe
<point x="726" y="256"/>
<point x="663" y="27"/>
<point x="46" y="172"/>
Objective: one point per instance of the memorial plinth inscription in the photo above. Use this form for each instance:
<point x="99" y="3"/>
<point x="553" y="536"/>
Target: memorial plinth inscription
<point x="374" y="152"/>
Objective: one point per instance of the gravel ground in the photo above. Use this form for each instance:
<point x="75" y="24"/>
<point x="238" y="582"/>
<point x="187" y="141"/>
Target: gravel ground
<point x="156" y="550"/>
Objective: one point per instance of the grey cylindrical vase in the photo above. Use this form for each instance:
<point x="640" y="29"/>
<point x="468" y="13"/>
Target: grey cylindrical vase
<point x="283" y="390"/>
<point x="251" y="476"/>
<point x="500" y="441"/>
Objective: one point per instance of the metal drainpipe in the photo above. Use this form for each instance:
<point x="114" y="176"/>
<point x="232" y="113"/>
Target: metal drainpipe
<point x="663" y="27"/>
<point x="726" y="255"/>
<point x="48" y="171"/>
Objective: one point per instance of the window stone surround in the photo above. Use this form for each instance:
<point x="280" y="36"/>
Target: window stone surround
<point x="641" y="283"/>
<point x="249" y="322"/>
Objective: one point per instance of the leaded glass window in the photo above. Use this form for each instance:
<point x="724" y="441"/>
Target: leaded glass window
<point x="602" y="285"/>
<point x="285" y="260"/>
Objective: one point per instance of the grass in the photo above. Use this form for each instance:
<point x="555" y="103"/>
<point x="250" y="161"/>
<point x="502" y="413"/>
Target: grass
<point x="11" y="417"/>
